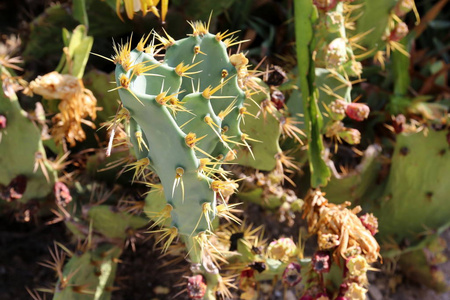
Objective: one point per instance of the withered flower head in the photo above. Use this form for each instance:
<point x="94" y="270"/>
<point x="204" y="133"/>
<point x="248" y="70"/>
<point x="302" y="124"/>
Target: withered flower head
<point x="327" y="218"/>
<point x="8" y="48"/>
<point x="328" y="240"/>
<point x="77" y="103"/>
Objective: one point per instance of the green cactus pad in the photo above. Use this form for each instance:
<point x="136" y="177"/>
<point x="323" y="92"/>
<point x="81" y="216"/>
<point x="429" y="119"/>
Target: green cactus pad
<point x="179" y="106"/>
<point x="89" y="276"/>
<point x="21" y="150"/>
<point x="417" y="188"/>
<point x="264" y="129"/>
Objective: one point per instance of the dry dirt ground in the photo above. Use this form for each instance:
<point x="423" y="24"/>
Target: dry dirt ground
<point x="140" y="276"/>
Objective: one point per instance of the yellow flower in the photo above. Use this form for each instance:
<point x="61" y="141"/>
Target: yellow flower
<point x="132" y="6"/>
<point x="282" y="249"/>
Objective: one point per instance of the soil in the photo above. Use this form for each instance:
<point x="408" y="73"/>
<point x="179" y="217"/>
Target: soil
<point x="141" y="275"/>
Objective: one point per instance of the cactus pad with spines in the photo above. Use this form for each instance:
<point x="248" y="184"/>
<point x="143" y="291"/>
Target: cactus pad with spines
<point x="187" y="109"/>
<point x="89" y="274"/>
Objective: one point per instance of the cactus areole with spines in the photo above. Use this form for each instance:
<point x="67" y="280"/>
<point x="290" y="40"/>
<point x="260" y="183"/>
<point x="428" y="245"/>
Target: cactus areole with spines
<point x="186" y="108"/>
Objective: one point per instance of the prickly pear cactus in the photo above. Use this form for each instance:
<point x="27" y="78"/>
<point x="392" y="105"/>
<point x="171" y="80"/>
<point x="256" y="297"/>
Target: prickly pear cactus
<point x="379" y="25"/>
<point x="416" y="190"/>
<point x="26" y="173"/>
<point x="89" y="274"/>
<point x="184" y="114"/>
<point x="186" y="110"/>
<point x="265" y="130"/>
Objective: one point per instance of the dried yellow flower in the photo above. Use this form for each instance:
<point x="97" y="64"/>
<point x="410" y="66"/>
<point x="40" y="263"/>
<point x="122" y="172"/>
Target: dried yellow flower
<point x="8" y="47"/>
<point x="328" y="219"/>
<point x="77" y="103"/>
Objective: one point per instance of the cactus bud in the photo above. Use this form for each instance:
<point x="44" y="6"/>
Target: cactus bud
<point x="399" y="32"/>
<point x="292" y="274"/>
<point x="3" y="122"/>
<point x="337" y="52"/>
<point x="62" y="194"/>
<point x="357" y="111"/>
<point x="325" y="5"/>
<point x="350" y="135"/>
<point x="403" y="7"/>
<point x="277" y="98"/>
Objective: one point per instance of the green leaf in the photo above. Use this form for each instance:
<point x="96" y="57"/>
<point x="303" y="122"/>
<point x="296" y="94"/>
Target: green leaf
<point x="79" y="49"/>
<point x="79" y="12"/>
